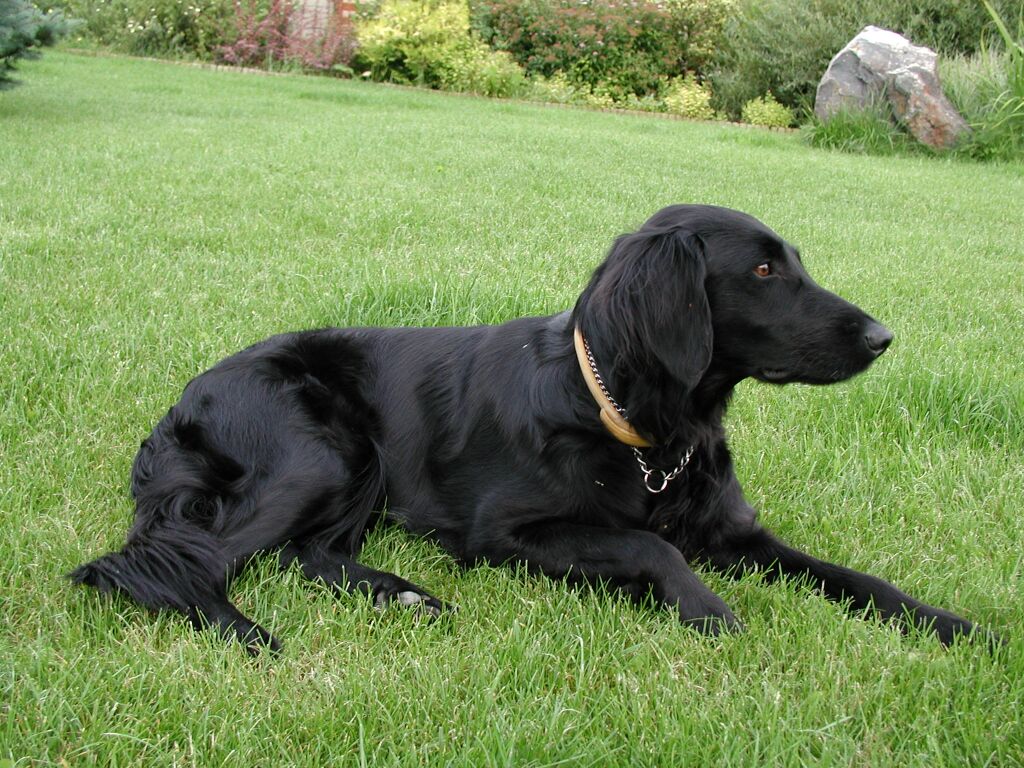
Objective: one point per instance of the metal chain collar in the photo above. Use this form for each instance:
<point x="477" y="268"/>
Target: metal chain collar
<point x="600" y="381"/>
<point x="656" y="485"/>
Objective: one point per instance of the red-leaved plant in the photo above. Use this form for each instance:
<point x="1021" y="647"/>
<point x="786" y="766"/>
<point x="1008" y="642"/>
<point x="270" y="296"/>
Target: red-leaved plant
<point x="284" y="34"/>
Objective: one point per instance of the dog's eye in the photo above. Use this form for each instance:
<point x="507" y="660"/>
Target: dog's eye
<point x="763" y="270"/>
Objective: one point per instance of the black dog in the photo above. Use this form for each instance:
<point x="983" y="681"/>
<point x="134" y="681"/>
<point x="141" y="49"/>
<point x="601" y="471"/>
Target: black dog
<point x="608" y="463"/>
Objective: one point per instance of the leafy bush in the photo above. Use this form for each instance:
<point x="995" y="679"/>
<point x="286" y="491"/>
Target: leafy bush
<point x="263" y="37"/>
<point x="784" y="46"/>
<point x="948" y="26"/>
<point x="24" y="29"/>
<point x="687" y="97"/>
<point x="477" y="69"/>
<point x="767" y="112"/>
<point x="428" y="42"/>
<point x="155" y="27"/>
<point x="402" y="40"/>
<point x="988" y="89"/>
<point x="650" y="102"/>
<point x="621" y="47"/>
<point x="974" y="82"/>
<point x="555" y="89"/>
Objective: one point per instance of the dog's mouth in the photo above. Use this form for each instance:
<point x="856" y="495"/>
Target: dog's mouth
<point x="780" y="376"/>
<point x="773" y="375"/>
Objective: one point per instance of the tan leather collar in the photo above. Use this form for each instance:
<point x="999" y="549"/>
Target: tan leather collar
<point x="613" y="421"/>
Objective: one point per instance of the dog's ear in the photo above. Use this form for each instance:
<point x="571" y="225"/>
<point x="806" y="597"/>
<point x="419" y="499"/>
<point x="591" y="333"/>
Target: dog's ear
<point x="648" y="305"/>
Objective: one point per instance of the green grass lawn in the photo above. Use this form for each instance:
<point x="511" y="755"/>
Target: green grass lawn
<point x="154" y="218"/>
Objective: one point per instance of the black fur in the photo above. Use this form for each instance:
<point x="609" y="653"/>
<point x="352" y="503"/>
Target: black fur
<point x="487" y="439"/>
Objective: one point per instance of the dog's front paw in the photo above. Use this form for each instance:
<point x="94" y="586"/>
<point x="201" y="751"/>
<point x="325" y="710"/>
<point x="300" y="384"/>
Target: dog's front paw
<point x="954" y="629"/>
<point x="950" y="628"/>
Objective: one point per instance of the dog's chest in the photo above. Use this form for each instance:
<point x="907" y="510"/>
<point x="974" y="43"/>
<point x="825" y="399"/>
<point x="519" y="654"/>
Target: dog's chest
<point x="616" y="493"/>
<point x="613" y="493"/>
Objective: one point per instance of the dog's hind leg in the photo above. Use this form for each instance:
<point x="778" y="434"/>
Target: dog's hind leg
<point x="346" y="576"/>
<point x="232" y="624"/>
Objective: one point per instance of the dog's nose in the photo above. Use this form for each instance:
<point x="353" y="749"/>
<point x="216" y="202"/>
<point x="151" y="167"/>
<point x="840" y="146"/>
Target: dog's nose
<point x="877" y="337"/>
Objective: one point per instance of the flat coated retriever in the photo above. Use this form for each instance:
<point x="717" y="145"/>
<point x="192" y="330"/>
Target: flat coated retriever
<point x="588" y="445"/>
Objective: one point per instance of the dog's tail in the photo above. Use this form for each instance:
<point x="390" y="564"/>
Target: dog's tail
<point x="171" y="565"/>
<point x="177" y="566"/>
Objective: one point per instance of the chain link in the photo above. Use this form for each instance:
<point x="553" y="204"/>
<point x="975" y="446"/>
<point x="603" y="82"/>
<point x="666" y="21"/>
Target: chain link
<point x="600" y="381"/>
<point x="666" y="477"/>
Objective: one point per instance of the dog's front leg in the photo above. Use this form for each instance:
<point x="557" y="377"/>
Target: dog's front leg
<point x="637" y="562"/>
<point x="760" y="549"/>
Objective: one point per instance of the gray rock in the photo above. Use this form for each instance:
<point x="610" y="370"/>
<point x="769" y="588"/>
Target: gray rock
<point x="883" y="66"/>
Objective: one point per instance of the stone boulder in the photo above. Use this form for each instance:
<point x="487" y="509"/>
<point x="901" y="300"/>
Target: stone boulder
<point x="883" y="66"/>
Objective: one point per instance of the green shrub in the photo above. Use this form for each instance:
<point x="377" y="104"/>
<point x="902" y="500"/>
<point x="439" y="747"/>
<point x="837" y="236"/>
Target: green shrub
<point x="428" y="42"/>
<point x="687" y="97"/>
<point x="650" y="102"/>
<point x="784" y="46"/>
<point x="619" y="48"/>
<point x="23" y="30"/>
<point x="988" y="90"/>
<point x="400" y="41"/>
<point x="475" y="68"/>
<point x="871" y="131"/>
<point x="555" y="89"/>
<point x="974" y="82"/>
<point x="948" y="26"/>
<point x="193" y="28"/>
<point x="767" y="112"/>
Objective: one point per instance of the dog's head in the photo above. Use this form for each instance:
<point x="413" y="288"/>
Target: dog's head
<point x="701" y="289"/>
